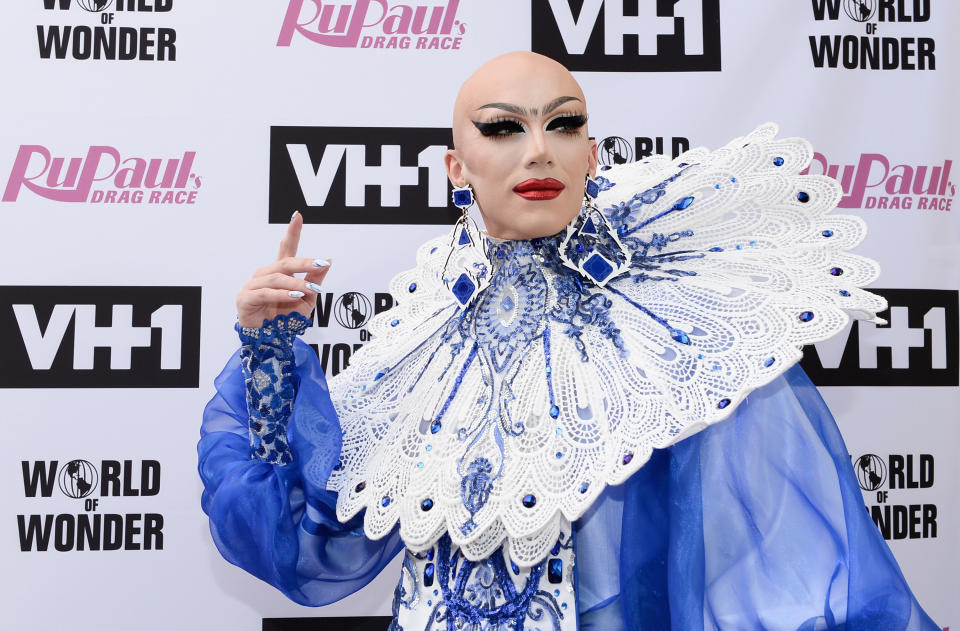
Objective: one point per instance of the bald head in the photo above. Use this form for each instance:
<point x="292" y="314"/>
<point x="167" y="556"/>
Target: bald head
<point x="533" y="83"/>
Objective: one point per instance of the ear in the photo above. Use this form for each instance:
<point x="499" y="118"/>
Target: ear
<point x="592" y="158"/>
<point x="455" y="168"/>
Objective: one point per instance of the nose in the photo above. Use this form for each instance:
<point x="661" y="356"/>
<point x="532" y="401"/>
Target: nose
<point x="538" y="149"/>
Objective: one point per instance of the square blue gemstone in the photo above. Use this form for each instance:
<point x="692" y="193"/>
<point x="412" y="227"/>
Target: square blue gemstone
<point x="593" y="189"/>
<point x="463" y="289"/>
<point x="598" y="268"/>
<point x="507" y="303"/>
<point x="462" y="197"/>
<point x="555" y="571"/>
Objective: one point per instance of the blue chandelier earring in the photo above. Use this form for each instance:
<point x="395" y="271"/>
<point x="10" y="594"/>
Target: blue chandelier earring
<point x="591" y="245"/>
<point x="466" y="272"/>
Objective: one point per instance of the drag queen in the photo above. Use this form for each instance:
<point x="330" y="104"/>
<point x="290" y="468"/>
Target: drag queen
<point x="588" y="416"/>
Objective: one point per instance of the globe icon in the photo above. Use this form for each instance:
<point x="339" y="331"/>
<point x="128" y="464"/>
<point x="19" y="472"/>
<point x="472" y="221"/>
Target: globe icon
<point x="78" y="478"/>
<point x="871" y="472"/>
<point x="352" y="310"/>
<point x="860" y="10"/>
<point x="614" y="150"/>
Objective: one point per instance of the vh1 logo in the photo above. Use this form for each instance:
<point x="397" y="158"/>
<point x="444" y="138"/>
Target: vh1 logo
<point x="628" y="35"/>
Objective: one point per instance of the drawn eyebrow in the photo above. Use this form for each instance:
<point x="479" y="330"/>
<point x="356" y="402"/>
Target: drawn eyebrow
<point x="522" y="111"/>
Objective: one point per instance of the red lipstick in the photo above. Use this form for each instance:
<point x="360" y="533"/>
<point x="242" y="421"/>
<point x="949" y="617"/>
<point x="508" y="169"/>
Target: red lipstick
<point x="539" y="190"/>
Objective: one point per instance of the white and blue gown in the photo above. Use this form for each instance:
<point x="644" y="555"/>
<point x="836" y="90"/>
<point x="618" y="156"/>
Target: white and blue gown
<point x="749" y="517"/>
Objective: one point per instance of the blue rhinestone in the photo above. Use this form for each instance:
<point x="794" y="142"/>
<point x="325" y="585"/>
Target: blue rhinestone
<point x="753" y="243"/>
<point x="430" y="558"/>
<point x="806" y="316"/>
<point x="597" y="268"/>
<point x="563" y="606"/>
<point x="429" y="602"/>
<point x="464" y="237"/>
<point x="426" y="504"/>
<point x="559" y="431"/>
<point x="555" y="571"/>
<point x="584" y="487"/>
<point x="579" y="248"/>
<point x="507" y="303"/>
<point x="593" y="189"/>
<point x="827" y="233"/>
<point x="429" y="448"/>
<point x="419" y="465"/>
<point x="463" y="289"/>
<point x="836" y="271"/>
<point x="428" y="575"/>
<point x="768" y="362"/>
<point x="555" y="550"/>
<point x="739" y="247"/>
<point x="436" y="593"/>
<point x="844" y="293"/>
<point x="394" y="322"/>
<point x="803" y="197"/>
<point x="559" y="455"/>
<point x="556" y="592"/>
<point x="360" y="487"/>
<point x="733" y="179"/>
<point x="554" y="411"/>
<point x="723" y="403"/>
<point x="513" y="566"/>
<point x="716" y="249"/>
<point x="778" y="161"/>
<point x="385" y="501"/>
<point x="549" y="370"/>
<point x="700" y="355"/>
<point x="683" y="204"/>
<point x="627" y="458"/>
<point x="680" y="336"/>
<point x="412" y="288"/>
<point x="682" y="164"/>
<point x="462" y="197"/>
<point x="377" y="376"/>
<point x="716" y="366"/>
<point x="717" y="186"/>
<point x="589" y="227"/>
<point x="529" y="500"/>
<point x="435" y="427"/>
<point x="605" y="167"/>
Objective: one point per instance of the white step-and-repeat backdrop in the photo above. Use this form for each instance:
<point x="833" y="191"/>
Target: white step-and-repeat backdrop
<point x="151" y="151"/>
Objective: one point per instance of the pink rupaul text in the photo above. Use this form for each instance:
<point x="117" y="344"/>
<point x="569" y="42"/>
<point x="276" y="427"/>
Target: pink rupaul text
<point x="374" y="24"/>
<point x="125" y="181"/>
<point x="873" y="183"/>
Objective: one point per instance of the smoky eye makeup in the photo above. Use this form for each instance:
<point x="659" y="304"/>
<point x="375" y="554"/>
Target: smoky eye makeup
<point x="569" y="123"/>
<point x="500" y="127"/>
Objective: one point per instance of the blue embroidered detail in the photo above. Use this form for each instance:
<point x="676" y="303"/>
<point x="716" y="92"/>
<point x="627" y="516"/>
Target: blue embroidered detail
<point x="481" y="595"/>
<point x="475" y="489"/>
<point x="604" y="183"/>
<point x="267" y="361"/>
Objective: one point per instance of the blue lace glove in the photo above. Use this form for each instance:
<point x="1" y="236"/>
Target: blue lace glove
<point x="267" y="362"/>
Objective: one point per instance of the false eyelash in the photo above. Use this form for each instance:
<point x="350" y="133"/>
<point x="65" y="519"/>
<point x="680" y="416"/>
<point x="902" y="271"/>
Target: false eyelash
<point x="567" y="123"/>
<point x="500" y="127"/>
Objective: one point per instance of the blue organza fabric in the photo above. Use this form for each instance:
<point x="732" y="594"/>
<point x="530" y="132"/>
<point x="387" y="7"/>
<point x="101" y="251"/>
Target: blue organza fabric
<point x="754" y="523"/>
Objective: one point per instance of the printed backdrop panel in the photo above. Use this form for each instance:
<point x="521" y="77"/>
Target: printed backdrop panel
<point x="152" y="151"/>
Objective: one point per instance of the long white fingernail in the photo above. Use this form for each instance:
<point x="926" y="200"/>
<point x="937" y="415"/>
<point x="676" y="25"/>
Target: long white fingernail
<point x="321" y="263"/>
<point x="313" y="287"/>
<point x="297" y="294"/>
<point x="294" y="215"/>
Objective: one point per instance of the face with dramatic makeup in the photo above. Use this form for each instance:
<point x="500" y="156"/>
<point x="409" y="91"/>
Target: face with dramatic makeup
<point x="520" y="138"/>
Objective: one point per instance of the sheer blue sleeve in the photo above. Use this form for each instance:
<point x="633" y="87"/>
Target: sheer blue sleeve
<point x="755" y="523"/>
<point x="265" y="472"/>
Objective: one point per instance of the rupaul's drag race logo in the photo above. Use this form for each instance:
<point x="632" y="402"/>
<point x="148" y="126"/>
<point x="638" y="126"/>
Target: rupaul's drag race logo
<point x="622" y="36"/>
<point x="374" y="24"/>
<point x="874" y="50"/>
<point x="60" y="486"/>
<point x="103" y="176"/>
<point x="877" y="182"/>
<point x="106" y="32"/>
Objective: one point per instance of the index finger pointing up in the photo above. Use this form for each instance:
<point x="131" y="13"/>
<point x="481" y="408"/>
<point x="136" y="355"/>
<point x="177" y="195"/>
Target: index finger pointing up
<point x="291" y="240"/>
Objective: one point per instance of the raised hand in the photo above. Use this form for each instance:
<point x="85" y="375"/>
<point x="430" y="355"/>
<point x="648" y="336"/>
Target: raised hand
<point x="274" y="290"/>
